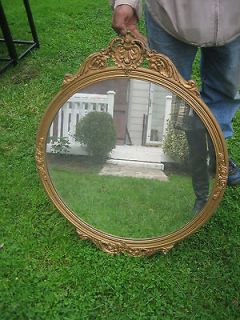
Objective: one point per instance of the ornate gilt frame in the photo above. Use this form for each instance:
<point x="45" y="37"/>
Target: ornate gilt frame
<point x="127" y="57"/>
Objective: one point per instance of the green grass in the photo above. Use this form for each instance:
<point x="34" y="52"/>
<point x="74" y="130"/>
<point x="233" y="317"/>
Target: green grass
<point x="125" y="206"/>
<point x="46" y="271"/>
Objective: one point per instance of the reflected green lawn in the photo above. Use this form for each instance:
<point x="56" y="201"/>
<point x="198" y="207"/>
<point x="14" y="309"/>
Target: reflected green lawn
<point x="125" y="206"/>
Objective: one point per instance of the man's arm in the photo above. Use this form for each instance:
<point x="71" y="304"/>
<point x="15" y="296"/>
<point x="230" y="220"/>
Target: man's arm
<point x="125" y="17"/>
<point x="135" y="4"/>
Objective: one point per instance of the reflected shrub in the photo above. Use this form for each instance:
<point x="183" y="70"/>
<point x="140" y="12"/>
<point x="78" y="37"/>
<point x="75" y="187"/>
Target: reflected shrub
<point x="175" y="144"/>
<point x="60" y="145"/>
<point x="97" y="131"/>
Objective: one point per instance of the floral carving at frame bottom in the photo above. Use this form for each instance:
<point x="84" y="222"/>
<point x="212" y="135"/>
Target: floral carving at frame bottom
<point x="122" y="247"/>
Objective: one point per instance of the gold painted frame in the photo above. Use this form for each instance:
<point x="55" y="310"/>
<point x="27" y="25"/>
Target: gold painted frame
<point x="128" y="57"/>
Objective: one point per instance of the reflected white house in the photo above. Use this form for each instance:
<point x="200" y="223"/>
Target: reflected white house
<point x="140" y="110"/>
<point x="148" y="113"/>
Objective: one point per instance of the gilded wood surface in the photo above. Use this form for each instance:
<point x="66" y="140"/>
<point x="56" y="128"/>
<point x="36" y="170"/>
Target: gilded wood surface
<point x="128" y="57"/>
<point x="122" y="247"/>
<point x="222" y="175"/>
<point x="128" y="54"/>
<point x="40" y="156"/>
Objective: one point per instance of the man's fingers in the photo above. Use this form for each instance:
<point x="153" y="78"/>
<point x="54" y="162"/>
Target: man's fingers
<point x="121" y="17"/>
<point x="124" y="19"/>
<point x="138" y="35"/>
<point x="120" y="28"/>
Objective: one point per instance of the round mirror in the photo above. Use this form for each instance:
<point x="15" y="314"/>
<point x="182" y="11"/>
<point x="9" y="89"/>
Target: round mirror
<point x="131" y="155"/>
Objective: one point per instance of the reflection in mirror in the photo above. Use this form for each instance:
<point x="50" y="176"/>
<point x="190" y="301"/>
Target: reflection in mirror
<point x="130" y="158"/>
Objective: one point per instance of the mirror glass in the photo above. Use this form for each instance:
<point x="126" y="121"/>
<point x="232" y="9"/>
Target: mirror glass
<point x="129" y="158"/>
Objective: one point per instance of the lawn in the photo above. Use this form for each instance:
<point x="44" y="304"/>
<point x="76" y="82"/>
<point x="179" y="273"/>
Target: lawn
<point x="123" y="206"/>
<point x="46" y="271"/>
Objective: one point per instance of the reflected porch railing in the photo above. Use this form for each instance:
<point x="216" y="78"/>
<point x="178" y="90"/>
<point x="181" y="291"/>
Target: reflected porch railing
<point x="63" y="127"/>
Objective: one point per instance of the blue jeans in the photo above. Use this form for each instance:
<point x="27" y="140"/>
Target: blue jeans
<point x="219" y="70"/>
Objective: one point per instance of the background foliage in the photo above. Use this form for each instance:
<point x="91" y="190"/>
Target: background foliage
<point x="97" y="131"/>
<point x="46" y="271"/>
<point x="175" y="144"/>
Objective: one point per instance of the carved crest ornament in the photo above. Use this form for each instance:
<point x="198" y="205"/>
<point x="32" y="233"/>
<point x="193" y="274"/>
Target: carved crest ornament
<point x="127" y="57"/>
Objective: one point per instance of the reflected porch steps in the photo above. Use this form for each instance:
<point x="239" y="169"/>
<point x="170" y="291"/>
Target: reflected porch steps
<point x="136" y="161"/>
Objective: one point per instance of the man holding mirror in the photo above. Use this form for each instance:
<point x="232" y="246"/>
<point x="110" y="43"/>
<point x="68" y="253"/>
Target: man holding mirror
<point x="177" y="28"/>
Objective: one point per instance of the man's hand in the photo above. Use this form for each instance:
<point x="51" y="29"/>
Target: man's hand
<point x="125" y="19"/>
